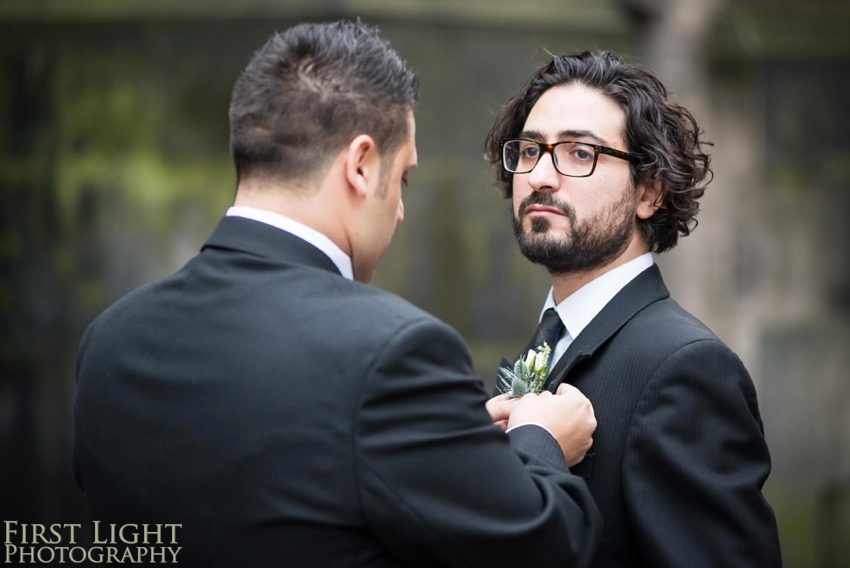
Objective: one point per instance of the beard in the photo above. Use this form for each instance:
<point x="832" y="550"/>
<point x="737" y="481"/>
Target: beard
<point x="588" y="245"/>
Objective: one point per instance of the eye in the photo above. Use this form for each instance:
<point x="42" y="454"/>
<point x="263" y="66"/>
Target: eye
<point x="582" y="154"/>
<point x="530" y="151"/>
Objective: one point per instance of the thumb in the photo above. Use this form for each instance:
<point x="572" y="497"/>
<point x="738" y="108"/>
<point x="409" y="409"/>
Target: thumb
<point x="500" y="407"/>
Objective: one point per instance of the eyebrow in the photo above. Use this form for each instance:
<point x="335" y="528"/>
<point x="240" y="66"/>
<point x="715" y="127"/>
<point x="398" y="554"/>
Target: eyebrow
<point x="568" y="134"/>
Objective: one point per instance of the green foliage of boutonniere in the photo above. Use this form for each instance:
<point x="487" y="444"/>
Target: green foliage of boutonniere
<point x="528" y="375"/>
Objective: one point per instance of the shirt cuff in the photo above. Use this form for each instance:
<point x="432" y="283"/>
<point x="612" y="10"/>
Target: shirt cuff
<point x="532" y="424"/>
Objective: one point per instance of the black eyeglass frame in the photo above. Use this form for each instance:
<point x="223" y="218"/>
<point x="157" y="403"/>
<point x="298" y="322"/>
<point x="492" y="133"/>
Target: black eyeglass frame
<point x="544" y="147"/>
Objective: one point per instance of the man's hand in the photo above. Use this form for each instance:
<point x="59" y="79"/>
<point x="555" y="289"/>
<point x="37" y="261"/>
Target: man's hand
<point x="568" y="415"/>
<point x="500" y="408"/>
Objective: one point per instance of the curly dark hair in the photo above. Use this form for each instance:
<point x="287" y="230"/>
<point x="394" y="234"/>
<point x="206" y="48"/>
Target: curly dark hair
<point x="662" y="135"/>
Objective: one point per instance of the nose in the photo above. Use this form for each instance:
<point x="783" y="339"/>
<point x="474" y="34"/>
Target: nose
<point x="544" y="176"/>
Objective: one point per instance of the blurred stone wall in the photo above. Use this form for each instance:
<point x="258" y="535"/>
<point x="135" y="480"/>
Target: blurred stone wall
<point x="114" y="168"/>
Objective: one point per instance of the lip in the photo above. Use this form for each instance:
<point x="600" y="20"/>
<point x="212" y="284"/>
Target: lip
<point x="542" y="210"/>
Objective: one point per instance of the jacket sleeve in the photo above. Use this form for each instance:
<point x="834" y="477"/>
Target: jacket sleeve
<point x="441" y="486"/>
<point x="695" y="463"/>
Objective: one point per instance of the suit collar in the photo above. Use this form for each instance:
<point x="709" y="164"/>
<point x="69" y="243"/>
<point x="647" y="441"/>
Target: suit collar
<point x="259" y="239"/>
<point x="647" y="287"/>
<point x="578" y="310"/>
<point x="300" y="230"/>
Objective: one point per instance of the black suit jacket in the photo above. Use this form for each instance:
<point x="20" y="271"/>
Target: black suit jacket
<point x="286" y="416"/>
<point x="679" y="456"/>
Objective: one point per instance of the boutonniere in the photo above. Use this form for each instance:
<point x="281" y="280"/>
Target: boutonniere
<point x="528" y="375"/>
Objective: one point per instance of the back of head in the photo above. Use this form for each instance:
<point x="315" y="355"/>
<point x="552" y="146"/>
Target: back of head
<point x="663" y="136"/>
<point x="312" y="89"/>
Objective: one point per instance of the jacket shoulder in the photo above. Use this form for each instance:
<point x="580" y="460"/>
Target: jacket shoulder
<point x="383" y="311"/>
<point x="668" y="323"/>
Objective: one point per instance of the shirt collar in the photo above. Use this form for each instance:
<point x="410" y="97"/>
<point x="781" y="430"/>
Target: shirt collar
<point x="312" y="236"/>
<point x="579" y="309"/>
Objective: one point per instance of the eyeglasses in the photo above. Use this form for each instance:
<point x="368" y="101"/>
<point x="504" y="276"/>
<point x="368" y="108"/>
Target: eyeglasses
<point x="572" y="159"/>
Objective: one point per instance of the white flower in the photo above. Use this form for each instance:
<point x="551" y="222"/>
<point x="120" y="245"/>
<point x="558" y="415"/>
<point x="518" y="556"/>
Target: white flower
<point x="530" y="359"/>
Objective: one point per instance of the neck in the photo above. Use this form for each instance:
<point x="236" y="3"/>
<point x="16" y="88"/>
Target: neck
<point x="565" y="285"/>
<point x="310" y="206"/>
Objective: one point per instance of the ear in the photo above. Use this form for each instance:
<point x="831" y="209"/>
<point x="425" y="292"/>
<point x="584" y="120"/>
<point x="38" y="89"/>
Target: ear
<point x="362" y="164"/>
<point x="649" y="198"/>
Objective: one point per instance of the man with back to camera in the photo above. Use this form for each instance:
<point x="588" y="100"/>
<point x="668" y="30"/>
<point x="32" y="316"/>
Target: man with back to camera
<point x="603" y="169"/>
<point x="284" y="413"/>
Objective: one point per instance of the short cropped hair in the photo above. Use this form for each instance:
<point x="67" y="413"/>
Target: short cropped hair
<point x="312" y="89"/>
<point x="662" y="135"/>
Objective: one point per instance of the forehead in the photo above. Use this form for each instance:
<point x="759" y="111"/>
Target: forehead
<point x="577" y="107"/>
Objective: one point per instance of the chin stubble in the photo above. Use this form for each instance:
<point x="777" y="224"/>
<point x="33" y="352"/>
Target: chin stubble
<point x="589" y="244"/>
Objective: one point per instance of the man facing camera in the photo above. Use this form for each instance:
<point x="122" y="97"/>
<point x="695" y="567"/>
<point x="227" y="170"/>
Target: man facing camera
<point x="603" y="169"/>
<point x="285" y="413"/>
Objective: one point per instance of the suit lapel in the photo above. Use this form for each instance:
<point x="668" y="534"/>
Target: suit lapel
<point x="646" y="288"/>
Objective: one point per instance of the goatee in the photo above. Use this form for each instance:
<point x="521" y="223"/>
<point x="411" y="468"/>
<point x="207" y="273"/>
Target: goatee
<point x="589" y="244"/>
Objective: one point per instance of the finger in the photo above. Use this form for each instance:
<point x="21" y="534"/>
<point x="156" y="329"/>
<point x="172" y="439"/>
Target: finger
<point x="564" y="388"/>
<point x="545" y="393"/>
<point x="497" y="400"/>
<point x="503" y="424"/>
<point x="592" y="418"/>
<point x="500" y="408"/>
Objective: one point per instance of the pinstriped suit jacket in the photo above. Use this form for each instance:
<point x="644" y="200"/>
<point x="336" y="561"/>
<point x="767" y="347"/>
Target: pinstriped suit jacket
<point x="679" y="456"/>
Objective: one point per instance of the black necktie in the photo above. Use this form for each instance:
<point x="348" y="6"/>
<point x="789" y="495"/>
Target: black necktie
<point x="550" y="329"/>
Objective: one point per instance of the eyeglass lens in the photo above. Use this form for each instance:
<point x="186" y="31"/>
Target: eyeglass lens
<point x="571" y="158"/>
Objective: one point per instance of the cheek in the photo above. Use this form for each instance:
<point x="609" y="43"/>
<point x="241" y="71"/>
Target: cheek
<point x="517" y="199"/>
<point x="520" y="192"/>
<point x="601" y="196"/>
<point x="393" y="211"/>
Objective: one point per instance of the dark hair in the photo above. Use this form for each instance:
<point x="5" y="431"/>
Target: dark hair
<point x="662" y="136"/>
<point x="312" y="89"/>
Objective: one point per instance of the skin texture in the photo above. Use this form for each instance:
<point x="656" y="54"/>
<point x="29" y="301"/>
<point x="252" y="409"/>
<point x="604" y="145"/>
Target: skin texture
<point x="376" y="201"/>
<point x="568" y="416"/>
<point x="599" y="203"/>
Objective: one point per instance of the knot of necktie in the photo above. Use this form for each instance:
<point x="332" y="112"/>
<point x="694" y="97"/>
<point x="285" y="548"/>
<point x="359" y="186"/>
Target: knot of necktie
<point x="550" y="329"/>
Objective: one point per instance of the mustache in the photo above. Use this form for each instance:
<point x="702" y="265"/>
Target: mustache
<point x="547" y="199"/>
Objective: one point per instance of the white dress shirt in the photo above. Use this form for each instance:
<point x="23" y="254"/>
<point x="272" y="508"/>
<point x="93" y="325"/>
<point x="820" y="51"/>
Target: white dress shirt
<point x="578" y="309"/>
<point x="312" y="236"/>
<point x="584" y="304"/>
